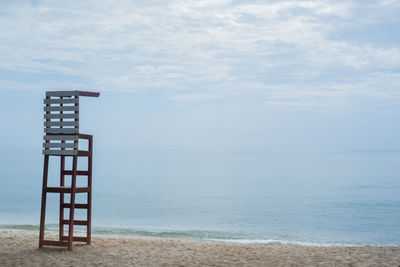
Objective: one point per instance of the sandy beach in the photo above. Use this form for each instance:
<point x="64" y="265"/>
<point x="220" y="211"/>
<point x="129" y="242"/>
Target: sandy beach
<point x="19" y="248"/>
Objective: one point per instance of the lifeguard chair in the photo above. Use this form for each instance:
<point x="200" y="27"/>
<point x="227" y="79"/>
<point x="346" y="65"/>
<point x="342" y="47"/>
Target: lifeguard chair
<point x="61" y="139"/>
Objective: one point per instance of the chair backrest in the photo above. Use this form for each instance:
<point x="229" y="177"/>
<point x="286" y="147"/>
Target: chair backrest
<point x="61" y="125"/>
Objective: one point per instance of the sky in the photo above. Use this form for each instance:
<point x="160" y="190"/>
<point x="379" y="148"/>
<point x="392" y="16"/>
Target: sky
<point x="212" y="74"/>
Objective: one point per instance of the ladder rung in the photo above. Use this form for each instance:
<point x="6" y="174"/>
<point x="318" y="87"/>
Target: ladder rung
<point x="76" y="222"/>
<point x="69" y="172"/>
<point x="55" y="243"/>
<point x="77" y="206"/>
<point x="83" y="153"/>
<point x="76" y="238"/>
<point x="65" y="189"/>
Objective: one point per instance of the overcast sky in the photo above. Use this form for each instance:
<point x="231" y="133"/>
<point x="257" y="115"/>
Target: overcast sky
<point x="274" y="75"/>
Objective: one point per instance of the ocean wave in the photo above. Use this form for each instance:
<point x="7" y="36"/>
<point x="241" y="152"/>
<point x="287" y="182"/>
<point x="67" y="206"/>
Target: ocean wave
<point x="214" y="236"/>
<point x="286" y="242"/>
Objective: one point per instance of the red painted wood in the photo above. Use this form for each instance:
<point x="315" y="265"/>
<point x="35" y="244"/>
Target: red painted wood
<point x="43" y="209"/>
<point x="72" y="209"/>
<point x="90" y="94"/>
<point x="76" y="238"/>
<point x="89" y="195"/>
<point x="77" y="206"/>
<point x="62" y="180"/>
<point x="76" y="222"/>
<point x="55" y="243"/>
<point x="69" y="172"/>
<point x="67" y="190"/>
<point x="67" y="240"/>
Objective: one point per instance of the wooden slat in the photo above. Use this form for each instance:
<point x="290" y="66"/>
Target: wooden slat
<point x="60" y="152"/>
<point x="77" y="206"/>
<point x="61" y="101"/>
<point x="55" y="243"/>
<point x="76" y="238"/>
<point x="61" y="108"/>
<point x="61" y="130"/>
<point x="76" y="222"/>
<point x="60" y="145"/>
<point x="66" y="189"/>
<point x="87" y="93"/>
<point x="72" y="93"/>
<point x="61" y="116"/>
<point x="60" y="189"/>
<point x="66" y="153"/>
<point x="61" y="137"/>
<point x="83" y="153"/>
<point x="61" y="123"/>
<point x="62" y="93"/>
<point x="85" y="136"/>
<point x="82" y="173"/>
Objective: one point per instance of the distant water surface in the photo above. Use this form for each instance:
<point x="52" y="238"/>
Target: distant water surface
<point x="330" y="198"/>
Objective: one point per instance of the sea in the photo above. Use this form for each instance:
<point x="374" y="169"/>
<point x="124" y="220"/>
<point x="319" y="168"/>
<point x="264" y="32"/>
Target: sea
<point x="319" y="198"/>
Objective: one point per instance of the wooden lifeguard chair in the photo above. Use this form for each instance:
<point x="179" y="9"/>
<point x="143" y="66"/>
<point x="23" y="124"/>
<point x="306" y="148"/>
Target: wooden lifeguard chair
<point x="61" y="139"/>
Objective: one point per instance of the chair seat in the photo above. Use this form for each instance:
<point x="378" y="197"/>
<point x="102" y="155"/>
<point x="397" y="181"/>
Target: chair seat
<point x="64" y="145"/>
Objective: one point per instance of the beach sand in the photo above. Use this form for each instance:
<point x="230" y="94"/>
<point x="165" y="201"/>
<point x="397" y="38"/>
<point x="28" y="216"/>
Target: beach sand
<point x="19" y="248"/>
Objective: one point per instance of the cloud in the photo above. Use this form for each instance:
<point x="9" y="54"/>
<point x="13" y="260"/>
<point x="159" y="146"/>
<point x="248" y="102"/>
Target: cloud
<point x="389" y="3"/>
<point x="290" y="52"/>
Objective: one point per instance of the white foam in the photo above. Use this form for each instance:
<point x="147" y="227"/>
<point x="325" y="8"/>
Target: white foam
<point x="282" y="242"/>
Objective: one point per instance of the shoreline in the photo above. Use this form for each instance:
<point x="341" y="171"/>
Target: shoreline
<point x="192" y="235"/>
<point x="185" y="235"/>
<point x="19" y="247"/>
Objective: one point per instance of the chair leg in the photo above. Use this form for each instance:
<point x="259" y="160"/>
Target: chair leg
<point x="72" y="207"/>
<point x="89" y="195"/>
<point x="62" y="180"/>
<point x="44" y="194"/>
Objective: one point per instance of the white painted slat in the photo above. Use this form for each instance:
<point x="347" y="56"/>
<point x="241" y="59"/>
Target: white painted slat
<point x="61" y="116"/>
<point x="60" y="152"/>
<point x="61" y="123"/>
<point x="62" y="93"/>
<point x="61" y="108"/>
<point x="61" y="101"/>
<point x="61" y="137"/>
<point x="61" y="130"/>
<point x="60" y="145"/>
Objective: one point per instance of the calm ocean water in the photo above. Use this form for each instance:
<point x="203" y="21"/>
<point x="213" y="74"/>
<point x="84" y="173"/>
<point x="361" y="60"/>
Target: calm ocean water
<point x="332" y="198"/>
